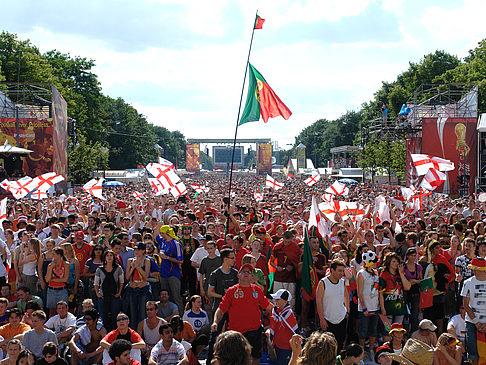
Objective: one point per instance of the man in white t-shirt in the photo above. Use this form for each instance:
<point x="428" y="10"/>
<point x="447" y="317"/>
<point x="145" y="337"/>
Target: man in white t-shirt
<point x="63" y="323"/>
<point x="474" y="295"/>
<point x="200" y="254"/>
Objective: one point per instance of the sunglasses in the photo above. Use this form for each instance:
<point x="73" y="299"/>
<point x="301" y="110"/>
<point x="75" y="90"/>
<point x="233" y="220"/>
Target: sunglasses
<point x="122" y="319"/>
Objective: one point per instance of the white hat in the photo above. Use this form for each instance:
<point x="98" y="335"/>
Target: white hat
<point x="426" y="324"/>
<point x="282" y="294"/>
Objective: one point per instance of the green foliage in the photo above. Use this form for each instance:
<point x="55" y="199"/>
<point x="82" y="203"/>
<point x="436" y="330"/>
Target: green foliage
<point x="86" y="157"/>
<point x="321" y="136"/>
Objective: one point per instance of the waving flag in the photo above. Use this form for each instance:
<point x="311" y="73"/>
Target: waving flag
<point x="94" y="188"/>
<point x="138" y="195"/>
<point x="315" y="177"/>
<point x="262" y="100"/>
<point x="270" y="182"/>
<point x="258" y="196"/>
<point x="315" y="220"/>
<point x="425" y="162"/>
<point x="178" y="189"/>
<point x="3" y="209"/>
<point x="45" y="181"/>
<point x="433" y="179"/>
<point x="327" y="197"/>
<point x="406" y="192"/>
<point x="259" y="22"/>
<point x="309" y="273"/>
<point x="156" y="187"/>
<point x="338" y="188"/>
<point x="19" y="188"/>
<point x="39" y="194"/>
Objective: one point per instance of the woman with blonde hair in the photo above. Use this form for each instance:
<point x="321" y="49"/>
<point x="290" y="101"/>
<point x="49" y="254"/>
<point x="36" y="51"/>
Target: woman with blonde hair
<point x="73" y="278"/>
<point x="28" y="261"/>
<point x="320" y="349"/>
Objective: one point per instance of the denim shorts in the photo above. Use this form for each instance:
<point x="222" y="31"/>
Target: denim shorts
<point x="471" y="344"/>
<point x="368" y="325"/>
<point x="54" y="296"/>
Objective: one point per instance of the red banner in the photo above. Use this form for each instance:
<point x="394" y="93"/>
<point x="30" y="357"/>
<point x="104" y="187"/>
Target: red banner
<point x="454" y="139"/>
<point x="35" y="135"/>
<point x="264" y="165"/>
<point x="192" y="157"/>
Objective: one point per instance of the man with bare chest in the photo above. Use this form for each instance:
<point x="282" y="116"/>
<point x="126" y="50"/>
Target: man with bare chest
<point x="85" y="345"/>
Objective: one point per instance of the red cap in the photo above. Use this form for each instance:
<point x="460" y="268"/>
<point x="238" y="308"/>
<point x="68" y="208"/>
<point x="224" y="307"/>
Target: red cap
<point x="79" y="234"/>
<point x="121" y="204"/>
<point x="246" y="266"/>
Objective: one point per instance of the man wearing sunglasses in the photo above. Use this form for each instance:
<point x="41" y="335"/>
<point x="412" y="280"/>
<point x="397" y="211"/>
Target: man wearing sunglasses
<point x="122" y="331"/>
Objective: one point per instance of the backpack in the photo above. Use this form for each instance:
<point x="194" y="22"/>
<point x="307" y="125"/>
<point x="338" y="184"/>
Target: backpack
<point x="109" y="285"/>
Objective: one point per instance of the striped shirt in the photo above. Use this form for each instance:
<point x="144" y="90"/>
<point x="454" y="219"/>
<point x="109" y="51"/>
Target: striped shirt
<point x="164" y="357"/>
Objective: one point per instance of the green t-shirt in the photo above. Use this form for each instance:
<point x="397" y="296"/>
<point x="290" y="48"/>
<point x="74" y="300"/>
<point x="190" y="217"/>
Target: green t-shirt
<point x="260" y="276"/>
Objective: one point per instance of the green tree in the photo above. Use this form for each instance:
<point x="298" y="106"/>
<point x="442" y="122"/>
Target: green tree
<point x="86" y="157"/>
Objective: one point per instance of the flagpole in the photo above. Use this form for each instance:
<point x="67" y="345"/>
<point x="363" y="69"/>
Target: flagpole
<point x="237" y="122"/>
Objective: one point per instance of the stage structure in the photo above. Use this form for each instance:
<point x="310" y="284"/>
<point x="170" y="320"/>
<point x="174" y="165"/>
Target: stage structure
<point x="222" y="154"/>
<point x="438" y="120"/>
<point x="34" y="116"/>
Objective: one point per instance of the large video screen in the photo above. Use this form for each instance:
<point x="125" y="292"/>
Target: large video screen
<point x="222" y="155"/>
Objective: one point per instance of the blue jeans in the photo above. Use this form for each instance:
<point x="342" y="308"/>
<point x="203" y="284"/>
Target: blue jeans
<point x="283" y="356"/>
<point x="471" y="341"/>
<point x="137" y="297"/>
<point x="368" y="325"/>
<point x="54" y="296"/>
<point x="110" y="307"/>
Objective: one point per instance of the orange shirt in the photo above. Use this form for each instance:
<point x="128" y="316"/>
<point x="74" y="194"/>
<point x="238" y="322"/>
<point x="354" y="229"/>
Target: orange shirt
<point x="8" y="331"/>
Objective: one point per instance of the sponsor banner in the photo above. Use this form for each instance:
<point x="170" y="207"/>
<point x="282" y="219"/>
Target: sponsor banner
<point x="264" y="163"/>
<point x="192" y="157"/>
<point x="454" y="139"/>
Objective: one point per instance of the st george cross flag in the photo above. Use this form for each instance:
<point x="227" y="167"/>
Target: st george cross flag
<point x="45" y="181"/>
<point x="258" y="196"/>
<point x="166" y="163"/>
<point x="338" y="188"/>
<point x="315" y="177"/>
<point x="156" y="187"/>
<point x="315" y="220"/>
<point x="270" y="182"/>
<point x="327" y="197"/>
<point x="39" y="194"/>
<point x="433" y="179"/>
<point x="425" y="162"/>
<point x="3" y="210"/>
<point x="138" y="195"/>
<point x="94" y="187"/>
<point x="406" y="192"/>
<point x="178" y="189"/>
<point x="19" y="188"/>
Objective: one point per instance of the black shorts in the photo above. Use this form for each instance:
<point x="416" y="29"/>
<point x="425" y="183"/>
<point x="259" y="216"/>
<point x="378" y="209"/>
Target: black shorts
<point x="255" y="340"/>
<point x="437" y="311"/>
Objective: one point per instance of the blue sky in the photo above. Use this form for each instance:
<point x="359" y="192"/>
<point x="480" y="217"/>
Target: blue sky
<point x="181" y="62"/>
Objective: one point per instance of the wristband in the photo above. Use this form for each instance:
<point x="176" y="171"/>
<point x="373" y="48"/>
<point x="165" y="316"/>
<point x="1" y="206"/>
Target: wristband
<point x="475" y="320"/>
<point x="365" y="309"/>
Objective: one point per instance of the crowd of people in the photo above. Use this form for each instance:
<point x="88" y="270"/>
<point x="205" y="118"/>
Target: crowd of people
<point x="158" y="280"/>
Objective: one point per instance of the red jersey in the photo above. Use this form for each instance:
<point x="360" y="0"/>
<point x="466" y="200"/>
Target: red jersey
<point x="239" y="256"/>
<point x="82" y="254"/>
<point x="286" y="256"/>
<point x="283" y="325"/>
<point x="113" y="335"/>
<point x="243" y="306"/>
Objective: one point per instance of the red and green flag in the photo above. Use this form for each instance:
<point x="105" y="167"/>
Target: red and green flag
<point x="259" y="22"/>
<point x="262" y="100"/>
<point x="309" y="274"/>
<point x="426" y="293"/>
<point x="271" y="269"/>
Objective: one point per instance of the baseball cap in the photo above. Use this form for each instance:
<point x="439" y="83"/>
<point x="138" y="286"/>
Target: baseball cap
<point x="260" y="230"/>
<point x="282" y="294"/>
<point x="246" y="266"/>
<point x="382" y="350"/>
<point x="79" y="234"/>
<point x="426" y="324"/>
<point x="140" y="246"/>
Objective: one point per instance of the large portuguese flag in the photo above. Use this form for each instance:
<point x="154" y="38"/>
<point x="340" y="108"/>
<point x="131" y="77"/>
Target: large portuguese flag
<point x="262" y="100"/>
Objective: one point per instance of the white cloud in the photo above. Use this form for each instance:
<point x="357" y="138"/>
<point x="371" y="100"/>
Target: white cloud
<point x="464" y="23"/>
